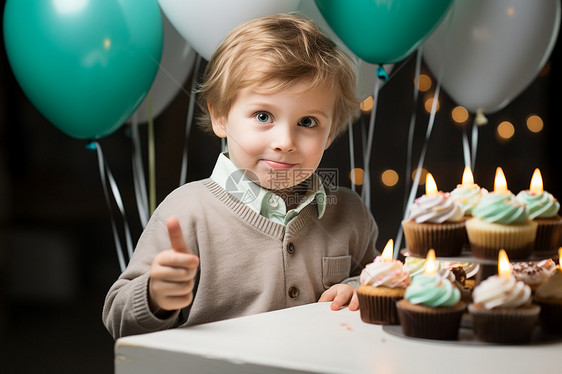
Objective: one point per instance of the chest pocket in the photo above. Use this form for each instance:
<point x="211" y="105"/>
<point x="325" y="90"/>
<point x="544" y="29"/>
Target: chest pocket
<point x="335" y="269"/>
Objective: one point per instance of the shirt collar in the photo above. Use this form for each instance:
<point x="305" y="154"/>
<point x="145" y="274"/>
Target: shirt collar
<point x="261" y="200"/>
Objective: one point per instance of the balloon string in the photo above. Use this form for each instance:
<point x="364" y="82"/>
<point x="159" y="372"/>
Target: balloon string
<point x="474" y="144"/>
<point x="398" y="240"/>
<point x="366" y="191"/>
<point x="469" y="152"/>
<point x="189" y="121"/>
<point x="151" y="158"/>
<point x="352" y="155"/>
<point x="138" y="173"/>
<point x="431" y="122"/>
<point x="107" y="177"/>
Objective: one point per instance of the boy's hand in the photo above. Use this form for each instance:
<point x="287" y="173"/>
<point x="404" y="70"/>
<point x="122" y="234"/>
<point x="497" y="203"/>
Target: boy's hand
<point x="171" y="273"/>
<point x="340" y="295"/>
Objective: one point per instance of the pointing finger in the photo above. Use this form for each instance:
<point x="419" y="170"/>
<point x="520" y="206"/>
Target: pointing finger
<point x="176" y="235"/>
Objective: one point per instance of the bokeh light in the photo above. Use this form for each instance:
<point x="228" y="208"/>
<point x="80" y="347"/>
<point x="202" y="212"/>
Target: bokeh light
<point x="429" y="104"/>
<point x="389" y="177"/>
<point x="459" y="114"/>
<point x="424" y="82"/>
<point x="505" y="130"/>
<point x="535" y="123"/>
<point x="356" y="175"/>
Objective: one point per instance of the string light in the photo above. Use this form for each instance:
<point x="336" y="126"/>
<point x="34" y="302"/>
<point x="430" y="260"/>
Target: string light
<point x="424" y="82"/>
<point x="423" y="173"/>
<point x="389" y="177"/>
<point x="429" y="104"/>
<point x="505" y="130"/>
<point x="459" y="114"/>
<point x="356" y="175"/>
<point x="535" y="123"/>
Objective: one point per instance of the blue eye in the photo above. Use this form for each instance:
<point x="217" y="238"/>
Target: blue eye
<point x="262" y="117"/>
<point x="308" y="122"/>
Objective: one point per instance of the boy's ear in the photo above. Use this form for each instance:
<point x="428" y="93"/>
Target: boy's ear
<point x="219" y="127"/>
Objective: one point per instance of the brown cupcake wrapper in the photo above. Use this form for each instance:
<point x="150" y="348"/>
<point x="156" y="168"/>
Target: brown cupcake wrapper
<point x="549" y="236"/>
<point x="491" y="253"/>
<point x="430" y="323"/>
<point x="550" y="316"/>
<point x="511" y="326"/>
<point x="485" y="242"/>
<point x="379" y="310"/>
<point x="447" y="239"/>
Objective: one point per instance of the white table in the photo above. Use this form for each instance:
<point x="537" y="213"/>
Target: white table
<point x="312" y="338"/>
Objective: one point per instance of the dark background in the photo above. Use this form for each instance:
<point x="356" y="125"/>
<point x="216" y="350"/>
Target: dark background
<point x="57" y="255"/>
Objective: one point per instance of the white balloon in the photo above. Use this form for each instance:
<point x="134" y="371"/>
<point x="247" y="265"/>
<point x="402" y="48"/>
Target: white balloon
<point x="205" y="23"/>
<point x="367" y="73"/>
<point x="495" y="49"/>
<point x="176" y="64"/>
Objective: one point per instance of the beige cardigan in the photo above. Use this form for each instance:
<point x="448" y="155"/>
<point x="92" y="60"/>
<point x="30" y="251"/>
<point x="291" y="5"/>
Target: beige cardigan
<point x="248" y="264"/>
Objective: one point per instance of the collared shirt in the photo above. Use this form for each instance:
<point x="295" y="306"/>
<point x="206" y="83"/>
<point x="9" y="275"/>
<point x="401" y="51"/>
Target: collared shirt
<point x="261" y="200"/>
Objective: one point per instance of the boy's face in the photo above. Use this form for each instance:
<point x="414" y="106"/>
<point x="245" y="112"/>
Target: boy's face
<point x="280" y="137"/>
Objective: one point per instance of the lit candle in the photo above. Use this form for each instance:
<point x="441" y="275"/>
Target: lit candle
<point x="387" y="252"/>
<point x="536" y="183"/>
<point x="500" y="183"/>
<point x="467" y="177"/>
<point x="431" y="267"/>
<point x="504" y="270"/>
<point x="430" y="185"/>
<point x="560" y="258"/>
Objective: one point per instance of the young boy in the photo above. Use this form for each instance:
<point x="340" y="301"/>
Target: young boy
<point x="262" y="233"/>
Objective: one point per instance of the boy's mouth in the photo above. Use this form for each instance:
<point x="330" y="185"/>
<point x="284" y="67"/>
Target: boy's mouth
<point x="278" y="165"/>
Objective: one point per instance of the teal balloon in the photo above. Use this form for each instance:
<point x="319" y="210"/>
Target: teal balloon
<point x="383" y="31"/>
<point x="85" y="64"/>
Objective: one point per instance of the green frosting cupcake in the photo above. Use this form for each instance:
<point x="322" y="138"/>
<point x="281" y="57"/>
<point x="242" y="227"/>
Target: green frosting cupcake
<point x="433" y="291"/>
<point x="541" y="205"/>
<point x="500" y="208"/>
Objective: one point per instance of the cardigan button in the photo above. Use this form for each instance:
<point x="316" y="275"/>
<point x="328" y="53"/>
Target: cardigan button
<point x="291" y="248"/>
<point x="293" y="292"/>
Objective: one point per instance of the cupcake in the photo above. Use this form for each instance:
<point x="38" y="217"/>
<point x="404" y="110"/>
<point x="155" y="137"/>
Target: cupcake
<point x="502" y="311"/>
<point x="468" y="194"/>
<point x="500" y="221"/>
<point x="543" y="208"/>
<point x="533" y="273"/>
<point x="457" y="272"/>
<point x="434" y="220"/>
<point x="549" y="298"/>
<point x="383" y="282"/>
<point x="431" y="307"/>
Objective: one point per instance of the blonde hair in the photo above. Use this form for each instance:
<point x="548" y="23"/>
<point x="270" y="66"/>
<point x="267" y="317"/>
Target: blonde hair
<point x="279" y="50"/>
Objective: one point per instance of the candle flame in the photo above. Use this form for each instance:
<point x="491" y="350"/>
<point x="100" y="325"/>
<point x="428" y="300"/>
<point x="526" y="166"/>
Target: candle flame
<point x="467" y="177"/>
<point x="560" y="258"/>
<point x="388" y="251"/>
<point x="431" y="266"/>
<point x="500" y="183"/>
<point x="504" y="270"/>
<point x="536" y="182"/>
<point x="430" y="185"/>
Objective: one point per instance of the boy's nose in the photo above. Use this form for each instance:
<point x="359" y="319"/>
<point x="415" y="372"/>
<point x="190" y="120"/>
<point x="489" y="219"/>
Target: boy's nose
<point x="283" y="139"/>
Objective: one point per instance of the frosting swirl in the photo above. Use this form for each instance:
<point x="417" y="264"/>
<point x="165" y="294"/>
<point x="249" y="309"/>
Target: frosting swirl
<point x="468" y="196"/>
<point x="541" y="205"/>
<point x="435" y="209"/>
<point x="552" y="287"/>
<point x="385" y="273"/>
<point x="434" y="291"/>
<point x="500" y="208"/>
<point x="501" y="292"/>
